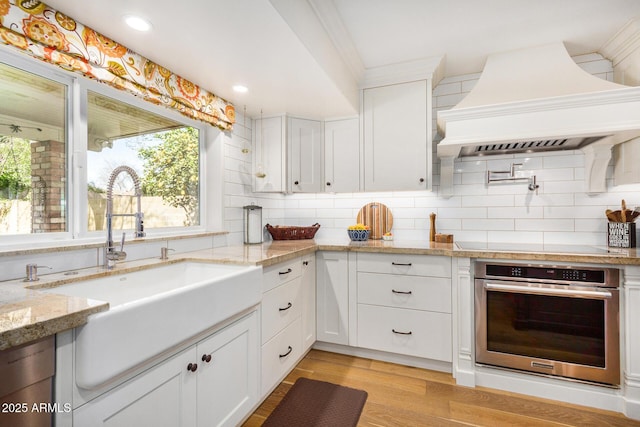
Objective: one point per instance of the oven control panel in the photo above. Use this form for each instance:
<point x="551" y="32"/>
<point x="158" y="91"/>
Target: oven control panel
<point x="551" y="274"/>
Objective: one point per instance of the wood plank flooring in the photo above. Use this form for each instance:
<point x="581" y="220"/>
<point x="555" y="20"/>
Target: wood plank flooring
<point x="404" y="396"/>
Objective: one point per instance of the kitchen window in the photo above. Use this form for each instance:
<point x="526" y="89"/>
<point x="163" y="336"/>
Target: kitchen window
<point x="80" y="130"/>
<point x="163" y="152"/>
<point x="33" y="153"/>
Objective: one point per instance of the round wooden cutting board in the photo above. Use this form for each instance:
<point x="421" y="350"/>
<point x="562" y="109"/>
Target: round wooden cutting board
<point x="378" y="217"/>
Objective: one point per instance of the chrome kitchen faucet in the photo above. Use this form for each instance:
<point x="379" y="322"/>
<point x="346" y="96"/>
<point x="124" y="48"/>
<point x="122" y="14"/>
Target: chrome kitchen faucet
<point x="111" y="255"/>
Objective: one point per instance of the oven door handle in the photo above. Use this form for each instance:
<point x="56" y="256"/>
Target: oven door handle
<point x="547" y="291"/>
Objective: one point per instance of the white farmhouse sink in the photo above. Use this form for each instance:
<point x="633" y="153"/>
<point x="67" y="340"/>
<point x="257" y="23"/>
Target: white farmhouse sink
<point x="153" y="310"/>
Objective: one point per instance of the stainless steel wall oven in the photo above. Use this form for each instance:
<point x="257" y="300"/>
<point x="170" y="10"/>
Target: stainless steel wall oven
<point x="555" y="320"/>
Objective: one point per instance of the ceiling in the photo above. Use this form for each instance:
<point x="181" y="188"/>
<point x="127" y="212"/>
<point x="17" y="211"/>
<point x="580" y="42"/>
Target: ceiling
<point x="308" y="57"/>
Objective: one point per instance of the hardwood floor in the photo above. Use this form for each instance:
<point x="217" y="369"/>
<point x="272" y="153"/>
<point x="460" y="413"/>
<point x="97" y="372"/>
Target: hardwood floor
<point x="405" y="396"/>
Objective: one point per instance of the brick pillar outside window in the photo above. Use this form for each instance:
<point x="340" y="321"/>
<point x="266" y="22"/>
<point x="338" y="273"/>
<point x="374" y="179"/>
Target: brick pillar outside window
<point x="48" y="184"/>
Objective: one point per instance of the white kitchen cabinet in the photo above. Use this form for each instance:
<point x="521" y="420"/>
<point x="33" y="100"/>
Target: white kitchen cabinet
<point x="305" y="155"/>
<point x="164" y="396"/>
<point x="342" y="156"/>
<point x="227" y="375"/>
<point x="211" y="383"/>
<point x="287" y="155"/>
<point x="404" y="305"/>
<point x="332" y="272"/>
<point x="308" y="301"/>
<point x="282" y="308"/>
<point x="269" y="155"/>
<point x="397" y="137"/>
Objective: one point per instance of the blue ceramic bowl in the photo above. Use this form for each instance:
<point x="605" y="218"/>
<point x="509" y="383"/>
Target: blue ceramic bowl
<point x="358" y="235"/>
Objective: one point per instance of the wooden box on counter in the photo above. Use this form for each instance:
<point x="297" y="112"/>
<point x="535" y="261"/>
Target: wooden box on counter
<point x="621" y="234"/>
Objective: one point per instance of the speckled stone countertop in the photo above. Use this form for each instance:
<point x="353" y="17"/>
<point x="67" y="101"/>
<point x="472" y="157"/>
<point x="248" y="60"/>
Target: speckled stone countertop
<point x="26" y="314"/>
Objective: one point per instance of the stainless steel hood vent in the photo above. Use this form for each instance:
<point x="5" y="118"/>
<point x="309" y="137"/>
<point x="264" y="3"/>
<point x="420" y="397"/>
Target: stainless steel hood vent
<point x="535" y="100"/>
<point x="527" y="146"/>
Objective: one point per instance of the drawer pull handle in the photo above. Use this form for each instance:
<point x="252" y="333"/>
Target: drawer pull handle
<point x="286" y="308"/>
<point x="206" y="358"/>
<point x="285" y="272"/>
<point x="401" y="292"/>
<point x="287" y="353"/>
<point x="408" y="264"/>
<point x="192" y="367"/>
<point x="401" y="333"/>
<point x="305" y="262"/>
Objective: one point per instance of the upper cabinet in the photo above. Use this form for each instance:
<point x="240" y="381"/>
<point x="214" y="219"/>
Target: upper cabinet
<point x="287" y="155"/>
<point x="387" y="148"/>
<point x="305" y="155"/>
<point x="342" y="156"/>
<point x="269" y="155"/>
<point x="397" y="134"/>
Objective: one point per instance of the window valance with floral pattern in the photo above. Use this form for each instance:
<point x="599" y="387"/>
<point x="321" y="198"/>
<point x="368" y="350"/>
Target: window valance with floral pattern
<point x="51" y="36"/>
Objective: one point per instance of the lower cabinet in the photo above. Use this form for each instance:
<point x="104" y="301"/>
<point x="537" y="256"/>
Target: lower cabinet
<point x="396" y="303"/>
<point x="404" y="304"/>
<point x="308" y="301"/>
<point x="288" y="318"/>
<point x="411" y="332"/>
<point x="333" y="297"/>
<point x="212" y="383"/>
<point x="280" y="354"/>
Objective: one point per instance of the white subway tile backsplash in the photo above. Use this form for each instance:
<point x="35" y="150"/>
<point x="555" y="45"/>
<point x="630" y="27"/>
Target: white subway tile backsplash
<point x="447" y="89"/>
<point x="574" y="238"/>
<point x="564" y="161"/>
<point x="524" y="237"/>
<point x="550" y="224"/>
<point x="448" y="100"/>
<point x="488" y="200"/>
<point x="488" y="224"/>
<point x="475" y="212"/>
<point x="526" y="212"/>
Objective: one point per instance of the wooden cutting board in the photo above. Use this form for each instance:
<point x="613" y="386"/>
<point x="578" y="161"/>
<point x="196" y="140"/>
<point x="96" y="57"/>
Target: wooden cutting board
<point x="378" y="217"/>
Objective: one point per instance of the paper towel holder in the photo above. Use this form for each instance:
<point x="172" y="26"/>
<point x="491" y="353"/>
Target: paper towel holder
<point x="252" y="224"/>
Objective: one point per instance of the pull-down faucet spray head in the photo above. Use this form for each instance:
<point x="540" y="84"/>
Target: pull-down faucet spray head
<point x="111" y="255"/>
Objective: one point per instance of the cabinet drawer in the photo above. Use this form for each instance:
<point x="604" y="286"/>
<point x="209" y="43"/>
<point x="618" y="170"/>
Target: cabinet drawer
<point x="280" y="354"/>
<point x="410" y="265"/>
<point x="415" y="292"/>
<point x="417" y="333"/>
<point x="280" y="306"/>
<point x="276" y="275"/>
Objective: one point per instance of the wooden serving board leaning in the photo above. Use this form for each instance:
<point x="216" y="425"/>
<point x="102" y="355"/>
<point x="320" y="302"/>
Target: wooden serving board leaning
<point x="378" y="217"/>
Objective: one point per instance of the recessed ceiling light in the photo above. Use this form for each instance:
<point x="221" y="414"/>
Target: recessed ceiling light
<point x="240" y="89"/>
<point x="137" y="23"/>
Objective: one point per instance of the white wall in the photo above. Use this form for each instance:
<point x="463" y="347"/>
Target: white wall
<point x="561" y="212"/>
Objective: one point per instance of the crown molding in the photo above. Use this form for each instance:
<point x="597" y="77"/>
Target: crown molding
<point x="330" y="19"/>
<point x="623" y="49"/>
<point x="420" y="69"/>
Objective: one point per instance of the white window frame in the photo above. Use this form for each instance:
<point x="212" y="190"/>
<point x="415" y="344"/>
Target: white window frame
<point x="211" y="153"/>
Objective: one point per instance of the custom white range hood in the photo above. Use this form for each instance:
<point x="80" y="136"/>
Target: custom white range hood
<point x="538" y="99"/>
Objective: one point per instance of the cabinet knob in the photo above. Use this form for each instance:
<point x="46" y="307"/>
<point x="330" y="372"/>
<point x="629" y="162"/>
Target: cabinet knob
<point x="192" y="367"/>
<point x="328" y="184"/>
<point x="206" y="358"/>
<point x="295" y="182"/>
<point x="421" y="180"/>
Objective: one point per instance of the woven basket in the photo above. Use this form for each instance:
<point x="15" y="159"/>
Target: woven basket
<point x="284" y="232"/>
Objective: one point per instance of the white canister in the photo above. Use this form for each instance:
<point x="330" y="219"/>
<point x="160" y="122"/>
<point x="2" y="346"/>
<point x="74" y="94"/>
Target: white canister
<point x="252" y="224"/>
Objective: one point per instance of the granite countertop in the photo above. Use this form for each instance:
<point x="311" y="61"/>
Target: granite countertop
<point x="26" y="314"/>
